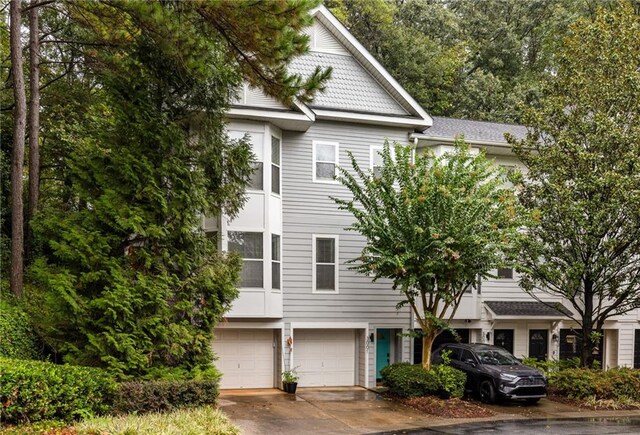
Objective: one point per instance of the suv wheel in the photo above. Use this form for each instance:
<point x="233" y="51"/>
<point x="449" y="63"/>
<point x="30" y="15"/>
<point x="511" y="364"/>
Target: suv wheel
<point x="487" y="392"/>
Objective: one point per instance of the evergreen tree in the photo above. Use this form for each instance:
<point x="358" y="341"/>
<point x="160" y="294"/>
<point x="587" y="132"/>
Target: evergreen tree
<point x="126" y="279"/>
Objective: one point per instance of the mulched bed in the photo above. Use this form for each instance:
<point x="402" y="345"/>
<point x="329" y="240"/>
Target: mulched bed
<point x="452" y="408"/>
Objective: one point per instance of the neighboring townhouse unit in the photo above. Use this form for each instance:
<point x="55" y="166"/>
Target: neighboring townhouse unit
<point x="299" y="304"/>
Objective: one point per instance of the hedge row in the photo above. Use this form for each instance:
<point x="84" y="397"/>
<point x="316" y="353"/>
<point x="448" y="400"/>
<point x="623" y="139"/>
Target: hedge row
<point x="408" y="380"/>
<point x="31" y="391"/>
<point x="36" y="390"/>
<point x="612" y="384"/>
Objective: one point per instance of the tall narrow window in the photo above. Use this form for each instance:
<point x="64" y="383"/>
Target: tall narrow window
<point x="325" y="270"/>
<point x="275" y="165"/>
<point x="275" y="261"/>
<point x="249" y="246"/>
<point x="376" y="160"/>
<point x="257" y="176"/>
<point x="325" y="161"/>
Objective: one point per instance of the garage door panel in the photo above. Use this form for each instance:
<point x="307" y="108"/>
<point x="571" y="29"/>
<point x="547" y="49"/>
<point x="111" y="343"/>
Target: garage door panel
<point x="245" y="357"/>
<point x="325" y="357"/>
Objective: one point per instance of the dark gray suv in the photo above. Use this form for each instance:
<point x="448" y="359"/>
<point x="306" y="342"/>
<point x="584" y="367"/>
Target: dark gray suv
<point x="494" y="373"/>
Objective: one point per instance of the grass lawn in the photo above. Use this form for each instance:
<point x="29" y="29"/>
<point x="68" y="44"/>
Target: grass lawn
<point x="205" y="420"/>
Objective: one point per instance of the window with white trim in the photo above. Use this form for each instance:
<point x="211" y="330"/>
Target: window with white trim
<point x="376" y="163"/>
<point x="505" y="273"/>
<point x="325" y="264"/>
<point x="325" y="161"/>
<point x="249" y="246"/>
<point x="275" y="261"/>
<point x="275" y="165"/>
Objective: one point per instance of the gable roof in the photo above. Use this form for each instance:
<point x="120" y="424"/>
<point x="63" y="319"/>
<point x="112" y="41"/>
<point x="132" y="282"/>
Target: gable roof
<point x="359" y="90"/>
<point x="372" y="66"/>
<point x="473" y="131"/>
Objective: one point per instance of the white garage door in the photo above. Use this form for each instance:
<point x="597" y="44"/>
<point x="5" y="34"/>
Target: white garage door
<point x="326" y="357"/>
<point x="245" y="357"/>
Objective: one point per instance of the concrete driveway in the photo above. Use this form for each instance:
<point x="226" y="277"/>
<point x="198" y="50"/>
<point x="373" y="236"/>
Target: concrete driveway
<point x="355" y="410"/>
<point x="319" y="411"/>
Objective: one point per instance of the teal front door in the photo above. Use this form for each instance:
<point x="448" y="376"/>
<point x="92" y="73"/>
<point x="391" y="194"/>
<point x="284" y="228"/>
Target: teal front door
<point x="383" y="350"/>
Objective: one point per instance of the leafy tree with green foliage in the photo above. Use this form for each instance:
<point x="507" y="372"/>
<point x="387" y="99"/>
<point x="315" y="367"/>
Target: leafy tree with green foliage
<point x="433" y="225"/>
<point x="125" y="278"/>
<point x="582" y="184"/>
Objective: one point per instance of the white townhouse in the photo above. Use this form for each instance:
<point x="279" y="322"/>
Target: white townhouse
<point x="299" y="304"/>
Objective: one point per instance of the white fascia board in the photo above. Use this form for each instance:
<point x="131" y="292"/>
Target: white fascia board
<point x="336" y="115"/>
<point x="329" y="325"/>
<point x="440" y="139"/>
<point x="370" y="63"/>
<point x="242" y="112"/>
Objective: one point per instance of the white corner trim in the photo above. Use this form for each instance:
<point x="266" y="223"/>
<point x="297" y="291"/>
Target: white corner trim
<point x="314" y="237"/>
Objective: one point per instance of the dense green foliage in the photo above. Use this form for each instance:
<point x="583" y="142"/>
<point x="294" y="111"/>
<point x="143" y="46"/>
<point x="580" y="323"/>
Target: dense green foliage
<point x="163" y="396"/>
<point x="409" y="380"/>
<point x="134" y="154"/>
<point x="481" y="59"/>
<point x="433" y="225"/>
<point x="17" y="338"/>
<point x="583" y="158"/>
<point x="35" y="390"/>
<point x="615" y="384"/>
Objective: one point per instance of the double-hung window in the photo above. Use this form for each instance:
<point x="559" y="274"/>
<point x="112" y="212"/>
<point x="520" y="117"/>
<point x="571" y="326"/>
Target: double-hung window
<point x="249" y="246"/>
<point x="376" y="160"/>
<point x="275" y="262"/>
<point x="325" y="161"/>
<point x="505" y="273"/>
<point x="275" y="165"/>
<point x="325" y="264"/>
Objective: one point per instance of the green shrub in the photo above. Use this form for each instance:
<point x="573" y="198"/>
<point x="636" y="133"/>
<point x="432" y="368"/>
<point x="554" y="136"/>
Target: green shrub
<point x="408" y="380"/>
<point x="614" y="384"/>
<point x="450" y="379"/>
<point x="160" y="396"/>
<point x="36" y="390"/>
<point x="553" y="365"/>
<point x="17" y="339"/>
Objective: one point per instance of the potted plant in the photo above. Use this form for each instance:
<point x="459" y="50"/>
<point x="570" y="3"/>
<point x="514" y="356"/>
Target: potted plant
<point x="290" y="381"/>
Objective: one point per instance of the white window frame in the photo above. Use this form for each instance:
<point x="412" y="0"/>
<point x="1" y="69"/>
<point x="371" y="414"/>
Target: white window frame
<point x="276" y="261"/>
<point x="336" y="162"/>
<point x="513" y="274"/>
<point x="279" y="165"/>
<point x="262" y="260"/>
<point x="314" y="237"/>
<point x="373" y="150"/>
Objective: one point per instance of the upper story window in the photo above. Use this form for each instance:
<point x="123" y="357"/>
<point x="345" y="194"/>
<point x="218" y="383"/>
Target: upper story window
<point x="249" y="246"/>
<point x="505" y="273"/>
<point x="325" y="161"/>
<point x="257" y="178"/>
<point x="325" y="263"/>
<point x="376" y="163"/>
<point x="275" y="165"/>
<point x="275" y="261"/>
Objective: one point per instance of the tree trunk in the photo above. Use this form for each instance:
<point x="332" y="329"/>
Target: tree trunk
<point x="17" y="155"/>
<point x="427" y="344"/>
<point x="34" y="116"/>
<point x="586" y="356"/>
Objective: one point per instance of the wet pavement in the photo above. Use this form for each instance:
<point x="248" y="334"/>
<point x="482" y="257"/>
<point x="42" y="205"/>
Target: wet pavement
<point x="588" y="426"/>
<point x="355" y="410"/>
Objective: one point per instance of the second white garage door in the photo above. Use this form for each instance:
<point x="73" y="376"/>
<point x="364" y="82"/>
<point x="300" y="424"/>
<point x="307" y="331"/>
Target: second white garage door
<point x="245" y="357"/>
<point x="325" y="357"/>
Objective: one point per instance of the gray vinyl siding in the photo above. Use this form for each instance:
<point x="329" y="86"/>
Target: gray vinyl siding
<point x="308" y="210"/>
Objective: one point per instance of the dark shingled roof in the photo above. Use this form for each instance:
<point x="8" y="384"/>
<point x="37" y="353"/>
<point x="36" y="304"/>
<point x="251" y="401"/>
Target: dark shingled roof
<point x="517" y="308"/>
<point x="479" y="131"/>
